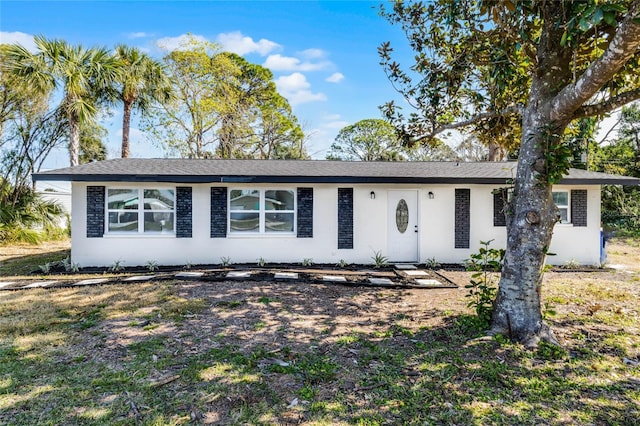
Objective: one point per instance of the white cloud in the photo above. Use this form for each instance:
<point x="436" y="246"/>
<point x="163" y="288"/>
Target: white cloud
<point x="334" y="121"/>
<point x="313" y="53"/>
<point x="278" y="62"/>
<point x="293" y="82"/>
<point x="337" y="124"/>
<point x="296" y="89"/>
<point x="175" y="43"/>
<point x="336" y="77"/>
<point x="237" y="43"/>
<point x="16" y="37"/>
<point x="138" y="34"/>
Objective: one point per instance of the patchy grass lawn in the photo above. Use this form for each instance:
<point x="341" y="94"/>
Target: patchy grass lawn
<point x="23" y="259"/>
<point x="295" y="353"/>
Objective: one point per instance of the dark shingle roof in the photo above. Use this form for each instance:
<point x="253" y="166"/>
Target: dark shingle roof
<point x="307" y="171"/>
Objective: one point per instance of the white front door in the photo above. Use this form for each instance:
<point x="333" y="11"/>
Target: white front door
<point x="402" y="217"/>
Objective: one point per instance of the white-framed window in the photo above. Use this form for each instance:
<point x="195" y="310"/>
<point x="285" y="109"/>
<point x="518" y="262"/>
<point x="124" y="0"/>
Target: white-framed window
<point x="561" y="200"/>
<point x="262" y="211"/>
<point x="126" y="214"/>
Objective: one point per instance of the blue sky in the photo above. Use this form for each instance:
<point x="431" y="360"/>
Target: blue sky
<point x="323" y="54"/>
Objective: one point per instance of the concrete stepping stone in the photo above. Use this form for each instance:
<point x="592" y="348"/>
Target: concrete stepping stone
<point x="334" y="279"/>
<point x="381" y="281"/>
<point x="38" y="284"/>
<point x="404" y="266"/>
<point x="139" y="278"/>
<point x="415" y="273"/>
<point x="285" y="276"/>
<point x="92" y="281"/>
<point x="189" y="275"/>
<point x="238" y="274"/>
<point x="429" y="283"/>
<point x="4" y="284"/>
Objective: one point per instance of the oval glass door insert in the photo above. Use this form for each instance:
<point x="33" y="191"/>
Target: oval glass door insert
<point x="402" y="216"/>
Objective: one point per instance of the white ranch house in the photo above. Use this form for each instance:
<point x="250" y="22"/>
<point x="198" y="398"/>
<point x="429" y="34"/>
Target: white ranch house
<point x="178" y="211"/>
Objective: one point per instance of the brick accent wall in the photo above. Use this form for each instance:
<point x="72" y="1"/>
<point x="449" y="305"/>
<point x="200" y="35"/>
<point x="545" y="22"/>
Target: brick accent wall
<point x="462" y="218"/>
<point x="345" y="218"/>
<point x="218" y="212"/>
<point x="95" y="211"/>
<point x="184" y="215"/>
<point x="579" y="207"/>
<point x="499" y="198"/>
<point x="305" y="213"/>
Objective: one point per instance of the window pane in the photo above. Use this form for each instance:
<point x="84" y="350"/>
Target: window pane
<point x="564" y="215"/>
<point x="158" y="222"/>
<point x="561" y="198"/>
<point x="245" y="222"/>
<point x="278" y="200"/>
<point x="122" y="199"/>
<point x="158" y="199"/>
<point x="245" y="199"/>
<point x="123" y="221"/>
<point x="402" y="216"/>
<point x="278" y="222"/>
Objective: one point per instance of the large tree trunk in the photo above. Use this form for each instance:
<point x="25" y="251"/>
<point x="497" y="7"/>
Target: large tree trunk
<point x="126" y="125"/>
<point x="531" y="212"/>
<point x="530" y="221"/>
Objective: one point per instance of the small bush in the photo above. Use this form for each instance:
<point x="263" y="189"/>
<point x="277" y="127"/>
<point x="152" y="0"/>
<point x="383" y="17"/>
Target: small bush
<point x="431" y="263"/>
<point x="485" y="265"/>
<point x="152" y="265"/>
<point x="45" y="268"/>
<point x="117" y="266"/>
<point x="379" y="260"/>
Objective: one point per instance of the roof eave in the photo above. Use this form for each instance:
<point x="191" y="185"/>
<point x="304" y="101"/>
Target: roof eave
<point x="312" y="179"/>
<point x="264" y="179"/>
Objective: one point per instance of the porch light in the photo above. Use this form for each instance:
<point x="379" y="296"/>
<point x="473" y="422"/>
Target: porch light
<point x="431" y="196"/>
<point x="372" y="195"/>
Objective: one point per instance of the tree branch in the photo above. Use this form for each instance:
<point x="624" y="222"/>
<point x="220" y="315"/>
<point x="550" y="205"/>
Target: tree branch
<point x="608" y="105"/>
<point x="516" y="109"/>
<point x="604" y="138"/>
<point x="622" y="47"/>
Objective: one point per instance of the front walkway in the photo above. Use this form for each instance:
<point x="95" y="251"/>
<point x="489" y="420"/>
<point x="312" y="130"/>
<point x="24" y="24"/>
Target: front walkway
<point x="401" y="276"/>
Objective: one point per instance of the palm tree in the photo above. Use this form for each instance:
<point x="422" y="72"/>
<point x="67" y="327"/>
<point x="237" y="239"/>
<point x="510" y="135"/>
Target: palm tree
<point x="142" y="82"/>
<point x="25" y="216"/>
<point x="81" y="74"/>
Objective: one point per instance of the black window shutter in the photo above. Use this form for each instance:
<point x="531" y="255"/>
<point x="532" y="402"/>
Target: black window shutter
<point x="305" y="213"/>
<point x="219" y="212"/>
<point x="184" y="215"/>
<point x="579" y="207"/>
<point x="462" y="218"/>
<point x="95" y="211"/>
<point x="499" y="201"/>
<point x="345" y="218"/>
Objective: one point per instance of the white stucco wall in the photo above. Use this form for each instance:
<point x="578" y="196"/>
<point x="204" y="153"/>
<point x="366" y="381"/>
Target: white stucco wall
<point x="435" y="230"/>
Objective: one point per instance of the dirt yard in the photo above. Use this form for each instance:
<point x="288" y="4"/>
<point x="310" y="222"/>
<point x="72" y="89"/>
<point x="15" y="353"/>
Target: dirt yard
<point x="277" y="353"/>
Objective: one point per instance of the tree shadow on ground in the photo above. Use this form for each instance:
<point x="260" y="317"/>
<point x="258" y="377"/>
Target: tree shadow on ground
<point x="286" y="353"/>
<point x="28" y="264"/>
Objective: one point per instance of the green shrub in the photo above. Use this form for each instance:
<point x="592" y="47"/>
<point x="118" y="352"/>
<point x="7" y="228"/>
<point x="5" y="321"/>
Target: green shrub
<point x="379" y="260"/>
<point x="485" y="265"/>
